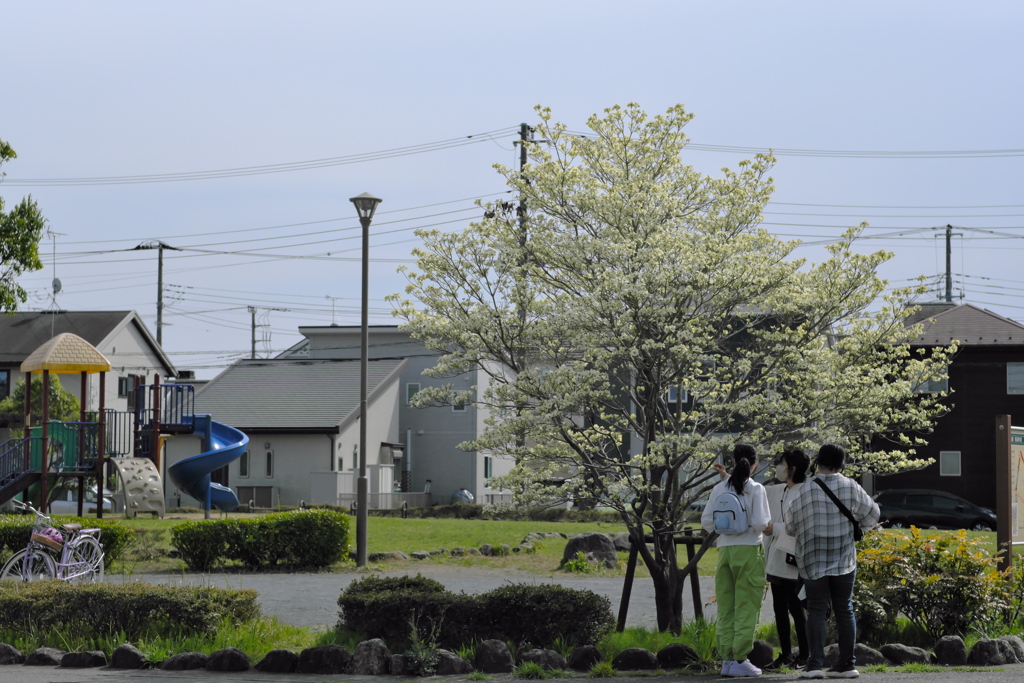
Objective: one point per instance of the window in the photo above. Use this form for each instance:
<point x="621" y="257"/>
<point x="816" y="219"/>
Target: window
<point x="411" y="389"/>
<point x="5" y="383"/>
<point x="459" y="408"/>
<point x="270" y="464"/>
<point x="677" y="395"/>
<point x="355" y="456"/>
<point x="488" y="467"/>
<point x="949" y="463"/>
<point x="243" y="465"/>
<point x="934" y="385"/>
<point x="1015" y="378"/>
<point x="123" y="386"/>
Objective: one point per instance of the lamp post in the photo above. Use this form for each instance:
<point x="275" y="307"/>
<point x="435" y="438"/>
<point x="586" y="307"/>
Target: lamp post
<point x="365" y="205"/>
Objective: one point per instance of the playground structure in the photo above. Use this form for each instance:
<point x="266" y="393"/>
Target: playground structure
<point x="107" y="442"/>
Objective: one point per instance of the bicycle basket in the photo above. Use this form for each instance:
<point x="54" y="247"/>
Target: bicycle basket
<point x="49" y="537"/>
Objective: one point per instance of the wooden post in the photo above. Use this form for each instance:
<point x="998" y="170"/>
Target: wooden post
<point x="154" y="445"/>
<point x="44" y="442"/>
<point x="698" y="608"/>
<point x="627" y="586"/>
<point x="1004" y="492"/>
<point x="82" y="435"/>
<point x="101" y="445"/>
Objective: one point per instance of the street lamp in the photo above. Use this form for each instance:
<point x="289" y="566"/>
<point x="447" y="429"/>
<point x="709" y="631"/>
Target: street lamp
<point x="365" y="205"/>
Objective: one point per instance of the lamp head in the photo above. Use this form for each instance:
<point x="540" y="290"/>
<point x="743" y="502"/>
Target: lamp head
<point x="366" y="204"/>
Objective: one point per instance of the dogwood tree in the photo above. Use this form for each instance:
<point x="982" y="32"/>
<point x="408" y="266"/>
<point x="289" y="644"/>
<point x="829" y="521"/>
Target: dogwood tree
<point x="20" y="231"/>
<point x="634" y="322"/>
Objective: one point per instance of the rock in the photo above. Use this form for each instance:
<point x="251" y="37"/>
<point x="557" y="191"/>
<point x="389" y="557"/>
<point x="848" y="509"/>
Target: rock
<point x="493" y="657"/>
<point x="905" y="654"/>
<point x="228" y="659"/>
<point x="127" y="656"/>
<point x="524" y="548"/>
<point x="458" y="551"/>
<point x="676" y="656"/>
<point x="950" y="651"/>
<point x="11" y="655"/>
<point x="397" y="666"/>
<point x="1016" y="644"/>
<point x="503" y="549"/>
<point x="45" y="656"/>
<point x="865" y="655"/>
<point x="472" y="551"/>
<point x="420" y="554"/>
<point x="584" y="657"/>
<point x="279" y="662"/>
<point x="991" y="652"/>
<point x="450" y="664"/>
<point x="324" y="659"/>
<point x="438" y="553"/>
<point x="635" y="659"/>
<point x="547" y="659"/>
<point x="387" y="555"/>
<point x="185" y="661"/>
<point x="620" y="540"/>
<point x="487" y="550"/>
<point x="762" y="654"/>
<point x="370" y="658"/>
<point x="84" y="660"/>
<point x="597" y="548"/>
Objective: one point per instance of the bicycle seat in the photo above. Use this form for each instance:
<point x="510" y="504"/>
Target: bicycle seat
<point x="73" y="526"/>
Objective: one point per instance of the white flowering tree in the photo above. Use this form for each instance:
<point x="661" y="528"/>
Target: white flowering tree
<point x="20" y="231"/>
<point x="635" y="322"/>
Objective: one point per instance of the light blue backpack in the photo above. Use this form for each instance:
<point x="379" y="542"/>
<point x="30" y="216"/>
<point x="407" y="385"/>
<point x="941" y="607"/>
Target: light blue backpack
<point x="729" y="513"/>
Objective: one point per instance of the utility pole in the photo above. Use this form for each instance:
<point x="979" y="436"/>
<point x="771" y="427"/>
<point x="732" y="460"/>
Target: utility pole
<point x="949" y="261"/>
<point x="252" y="311"/>
<point x="160" y="246"/>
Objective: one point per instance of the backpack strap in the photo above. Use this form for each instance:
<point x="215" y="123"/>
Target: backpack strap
<point x="839" y="504"/>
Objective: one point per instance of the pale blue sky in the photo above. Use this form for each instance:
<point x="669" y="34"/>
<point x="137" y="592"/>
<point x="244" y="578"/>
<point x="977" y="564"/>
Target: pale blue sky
<point x="127" y="89"/>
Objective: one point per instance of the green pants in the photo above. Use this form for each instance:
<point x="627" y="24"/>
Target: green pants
<point x="739" y="590"/>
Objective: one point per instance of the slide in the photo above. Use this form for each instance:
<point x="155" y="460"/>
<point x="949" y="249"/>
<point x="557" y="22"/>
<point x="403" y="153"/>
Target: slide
<point x="223" y="444"/>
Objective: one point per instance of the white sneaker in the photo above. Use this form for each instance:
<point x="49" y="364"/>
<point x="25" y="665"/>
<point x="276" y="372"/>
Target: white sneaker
<point x="812" y="673"/>
<point x="745" y="668"/>
<point x="727" y="666"/>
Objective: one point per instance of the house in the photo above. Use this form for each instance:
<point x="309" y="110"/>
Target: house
<point x="302" y="420"/>
<point x="121" y="336"/>
<point x="431" y="436"/>
<point x="986" y="379"/>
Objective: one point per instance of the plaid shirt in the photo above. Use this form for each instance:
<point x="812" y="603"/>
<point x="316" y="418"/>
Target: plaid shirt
<point x="824" y="536"/>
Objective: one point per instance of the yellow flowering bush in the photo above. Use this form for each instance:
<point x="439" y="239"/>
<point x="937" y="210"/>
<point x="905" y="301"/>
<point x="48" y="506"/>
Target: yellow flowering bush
<point x="946" y="584"/>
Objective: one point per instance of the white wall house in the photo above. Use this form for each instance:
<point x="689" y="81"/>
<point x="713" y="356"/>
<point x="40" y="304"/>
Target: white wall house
<point x="302" y="420"/>
<point x="430" y="436"/>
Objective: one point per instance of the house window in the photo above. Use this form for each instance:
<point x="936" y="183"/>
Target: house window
<point x="488" y="467"/>
<point x="5" y="383"/>
<point x="1015" y="378"/>
<point x="411" y="389"/>
<point x="677" y="395"/>
<point x="934" y="386"/>
<point x="243" y="465"/>
<point x="949" y="463"/>
<point x="459" y="408"/>
<point x="270" y="464"/>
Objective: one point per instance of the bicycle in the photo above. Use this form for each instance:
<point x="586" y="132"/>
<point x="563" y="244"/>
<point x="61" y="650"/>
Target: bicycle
<point x="66" y="552"/>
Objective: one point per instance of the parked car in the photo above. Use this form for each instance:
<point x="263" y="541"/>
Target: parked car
<point x="923" y="508"/>
<point x="66" y="501"/>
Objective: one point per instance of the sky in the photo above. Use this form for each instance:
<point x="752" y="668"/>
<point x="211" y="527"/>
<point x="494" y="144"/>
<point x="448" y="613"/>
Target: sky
<point x="237" y="131"/>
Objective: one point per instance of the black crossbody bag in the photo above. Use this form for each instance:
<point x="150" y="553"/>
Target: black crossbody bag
<point x="858" y="533"/>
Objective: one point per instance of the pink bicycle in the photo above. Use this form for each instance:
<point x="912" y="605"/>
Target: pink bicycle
<point x="66" y="552"/>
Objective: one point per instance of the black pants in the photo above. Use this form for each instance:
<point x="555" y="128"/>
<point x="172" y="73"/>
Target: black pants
<point x="785" y="602"/>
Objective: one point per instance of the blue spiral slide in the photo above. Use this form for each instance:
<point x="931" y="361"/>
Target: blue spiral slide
<point x="222" y="444"/>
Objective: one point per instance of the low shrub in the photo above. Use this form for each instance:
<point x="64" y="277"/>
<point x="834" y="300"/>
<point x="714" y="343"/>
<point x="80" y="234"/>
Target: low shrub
<point x="302" y="539"/>
<point x="541" y="615"/>
<point x="15" y="531"/>
<point x="135" y="610"/>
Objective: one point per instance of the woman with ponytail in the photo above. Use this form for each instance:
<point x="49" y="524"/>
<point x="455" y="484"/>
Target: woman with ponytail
<point x="739" y="578"/>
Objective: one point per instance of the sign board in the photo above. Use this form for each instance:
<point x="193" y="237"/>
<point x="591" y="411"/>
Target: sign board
<point x="1009" y="482"/>
<point x="1017" y="485"/>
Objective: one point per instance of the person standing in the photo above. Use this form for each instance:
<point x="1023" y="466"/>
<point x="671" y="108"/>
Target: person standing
<point x="780" y="563"/>
<point x="826" y="556"/>
<point x="739" y="578"/>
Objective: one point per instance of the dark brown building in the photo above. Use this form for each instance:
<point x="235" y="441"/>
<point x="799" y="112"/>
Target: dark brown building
<point x="986" y="379"/>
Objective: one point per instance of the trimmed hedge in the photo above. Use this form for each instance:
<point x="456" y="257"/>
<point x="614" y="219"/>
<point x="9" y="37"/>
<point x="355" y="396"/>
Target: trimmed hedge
<point x="302" y="539"/>
<point x="134" y="609"/>
<point x="538" y="615"/>
<point x="15" y="531"/>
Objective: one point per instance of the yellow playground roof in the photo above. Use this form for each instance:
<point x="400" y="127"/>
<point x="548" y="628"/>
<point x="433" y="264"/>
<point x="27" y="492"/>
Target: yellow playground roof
<point x="66" y="353"/>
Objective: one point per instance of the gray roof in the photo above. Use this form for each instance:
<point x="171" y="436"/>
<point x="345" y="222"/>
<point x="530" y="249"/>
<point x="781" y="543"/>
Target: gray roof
<point x="971" y="326"/>
<point x="293" y="395"/>
<point x="24" y="332"/>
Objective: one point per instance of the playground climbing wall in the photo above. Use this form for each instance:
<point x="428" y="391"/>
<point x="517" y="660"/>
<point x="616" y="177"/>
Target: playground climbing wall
<point x="143" y="489"/>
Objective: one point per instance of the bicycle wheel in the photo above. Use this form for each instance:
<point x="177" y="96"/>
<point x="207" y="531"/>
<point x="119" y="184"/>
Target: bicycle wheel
<point x="38" y="567"/>
<point x="85" y="560"/>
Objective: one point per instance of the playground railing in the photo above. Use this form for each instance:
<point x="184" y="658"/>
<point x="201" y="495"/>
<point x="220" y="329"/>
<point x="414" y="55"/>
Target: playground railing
<point x="15" y="458"/>
<point x="177" y="404"/>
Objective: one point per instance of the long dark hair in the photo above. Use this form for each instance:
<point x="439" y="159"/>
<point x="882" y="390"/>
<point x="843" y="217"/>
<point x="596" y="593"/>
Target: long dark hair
<point x="797" y="459"/>
<point x="744" y="455"/>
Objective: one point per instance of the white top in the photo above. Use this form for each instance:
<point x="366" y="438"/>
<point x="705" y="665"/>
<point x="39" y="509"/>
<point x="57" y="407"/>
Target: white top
<point x="756" y="502"/>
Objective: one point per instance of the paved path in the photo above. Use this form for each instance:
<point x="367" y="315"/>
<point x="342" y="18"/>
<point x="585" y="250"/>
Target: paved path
<point x="311" y="599"/>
